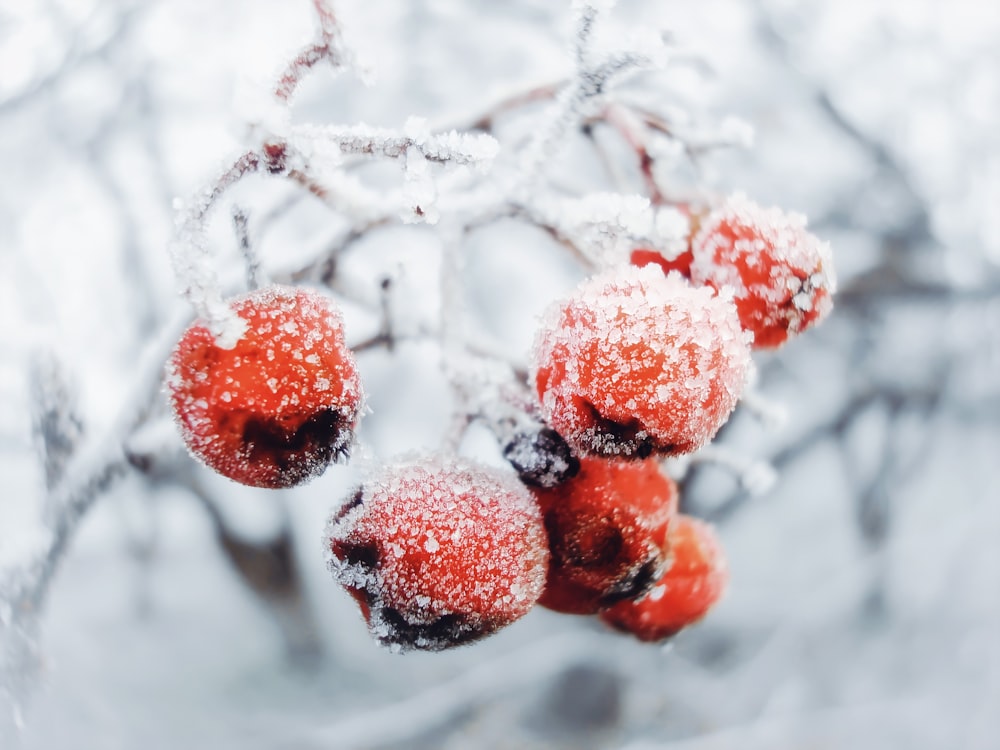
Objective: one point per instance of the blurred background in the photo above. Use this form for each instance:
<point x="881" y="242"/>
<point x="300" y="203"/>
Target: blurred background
<point x="864" y="606"/>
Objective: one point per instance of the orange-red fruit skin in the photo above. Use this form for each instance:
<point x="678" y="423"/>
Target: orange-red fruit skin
<point x="694" y="582"/>
<point x="681" y="264"/>
<point x="275" y="409"/>
<point x="782" y="276"/>
<point x="439" y="552"/>
<point x="634" y="363"/>
<point x="607" y="530"/>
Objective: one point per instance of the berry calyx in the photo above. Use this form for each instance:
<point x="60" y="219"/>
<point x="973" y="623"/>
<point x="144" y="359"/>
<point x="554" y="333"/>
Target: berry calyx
<point x="694" y="582"/>
<point x="607" y="530"/>
<point x="541" y="457"/>
<point x="781" y="275"/>
<point x="281" y="404"/>
<point x="633" y="363"/>
<point x="439" y="552"/>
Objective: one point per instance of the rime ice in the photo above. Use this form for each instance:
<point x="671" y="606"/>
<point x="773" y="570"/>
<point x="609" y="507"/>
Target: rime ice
<point x="439" y="552"/>
<point x="276" y="408"/>
<point x="634" y="363"/>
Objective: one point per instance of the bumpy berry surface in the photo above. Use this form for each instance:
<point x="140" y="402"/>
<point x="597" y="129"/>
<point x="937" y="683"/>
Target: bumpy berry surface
<point x="781" y="275"/>
<point x="607" y="529"/>
<point x="439" y="552"/>
<point x="634" y="363"/>
<point x="278" y="407"/>
<point x="694" y="582"/>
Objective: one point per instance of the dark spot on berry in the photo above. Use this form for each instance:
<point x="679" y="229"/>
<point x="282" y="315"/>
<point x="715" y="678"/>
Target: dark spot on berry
<point x="364" y="556"/>
<point x="393" y="628"/>
<point x="639" y="582"/>
<point x="612" y="439"/>
<point x="542" y="458"/>
<point x="297" y="452"/>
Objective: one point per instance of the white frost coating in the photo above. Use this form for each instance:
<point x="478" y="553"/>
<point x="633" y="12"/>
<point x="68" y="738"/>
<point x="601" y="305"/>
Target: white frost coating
<point x="443" y="550"/>
<point x="419" y="189"/>
<point x="255" y="104"/>
<point x="475" y="149"/>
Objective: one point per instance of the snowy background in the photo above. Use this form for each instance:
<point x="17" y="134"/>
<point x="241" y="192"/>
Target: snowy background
<point x="864" y="608"/>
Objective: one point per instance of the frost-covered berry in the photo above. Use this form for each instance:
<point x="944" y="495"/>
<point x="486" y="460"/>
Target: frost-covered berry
<point x="607" y="530"/>
<point x="439" y="552"/>
<point x="635" y="363"/>
<point x="541" y="457"/>
<point x="694" y="582"/>
<point x="781" y="274"/>
<point x="275" y="409"/>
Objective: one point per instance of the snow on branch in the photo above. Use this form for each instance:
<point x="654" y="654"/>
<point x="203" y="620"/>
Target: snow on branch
<point x="605" y="227"/>
<point x="476" y="149"/>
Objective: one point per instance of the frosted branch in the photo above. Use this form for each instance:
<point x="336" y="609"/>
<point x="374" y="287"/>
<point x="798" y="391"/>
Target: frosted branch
<point x="191" y="257"/>
<point x="577" y="100"/>
<point x="329" y="47"/>
<point x="607" y="226"/>
<point x="241" y="227"/>
<point x="476" y="149"/>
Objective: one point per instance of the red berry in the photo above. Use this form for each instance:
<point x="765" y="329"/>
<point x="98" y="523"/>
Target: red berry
<point x="280" y="405"/>
<point x="634" y="363"/>
<point x="694" y="582"/>
<point x="607" y="529"/>
<point x="439" y="552"/>
<point x="781" y="274"/>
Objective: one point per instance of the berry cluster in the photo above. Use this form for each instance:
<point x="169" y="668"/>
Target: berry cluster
<point x="639" y="363"/>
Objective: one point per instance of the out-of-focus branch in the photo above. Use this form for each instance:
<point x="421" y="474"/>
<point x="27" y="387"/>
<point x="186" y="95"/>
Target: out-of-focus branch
<point x="56" y="421"/>
<point x="328" y="47"/>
